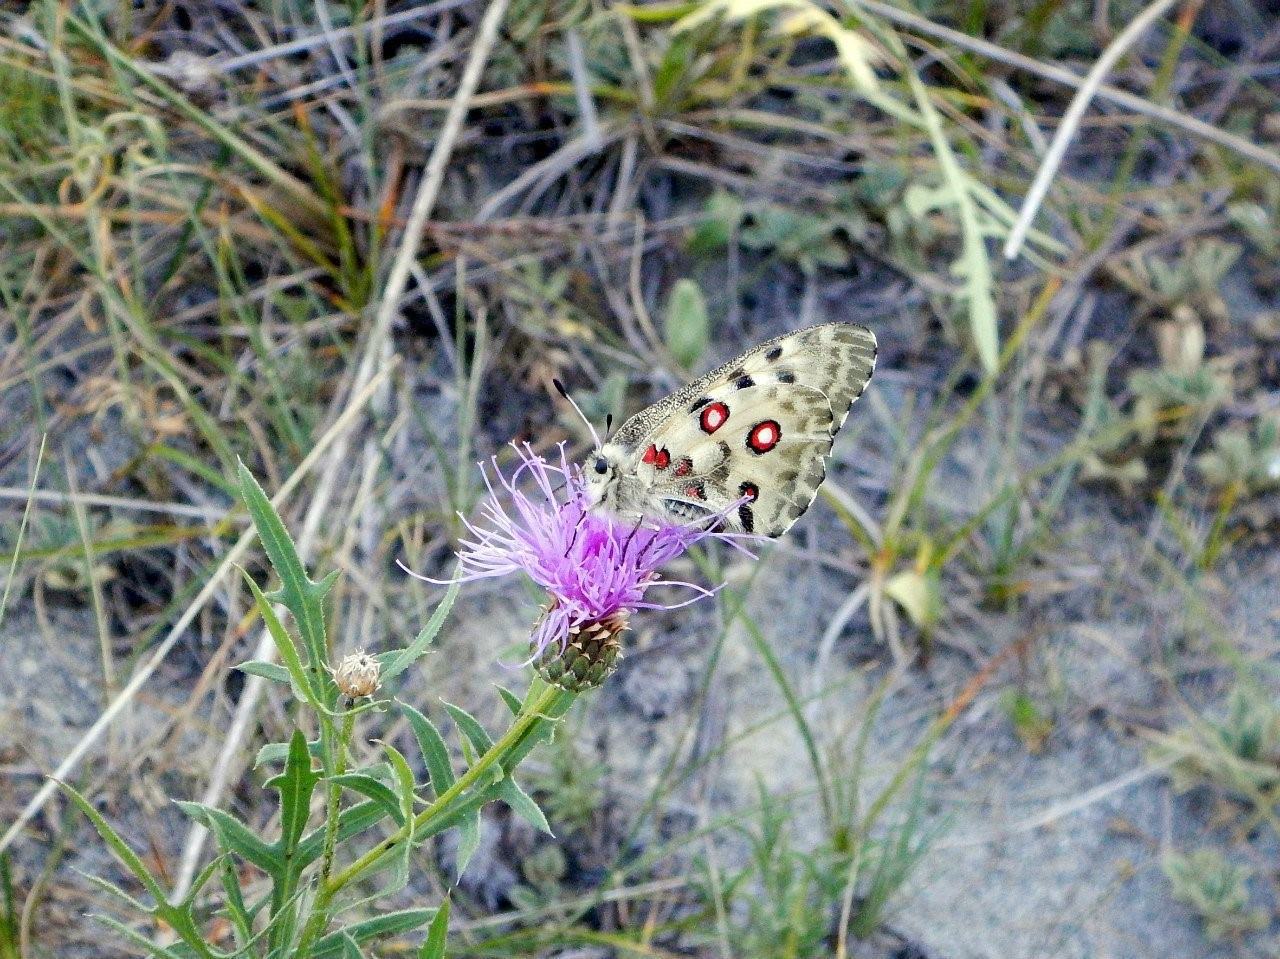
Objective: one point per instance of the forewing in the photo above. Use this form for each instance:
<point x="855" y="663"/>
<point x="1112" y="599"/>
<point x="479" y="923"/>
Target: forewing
<point x="761" y="426"/>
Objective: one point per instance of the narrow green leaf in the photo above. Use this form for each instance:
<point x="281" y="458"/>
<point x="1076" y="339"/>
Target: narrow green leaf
<point x="202" y="878"/>
<point x="273" y="753"/>
<point x="433" y="948"/>
<point x="522" y="805"/>
<point x="434" y="751"/>
<point x="457" y="814"/>
<point x="304" y="683"/>
<point x="687" y="327"/>
<point x="234" y="836"/>
<point x="470" y="727"/>
<point x="511" y="794"/>
<point x="128" y="858"/>
<point x="541" y="731"/>
<point x="373" y="789"/>
<point x="260" y="667"/>
<point x="111" y="889"/>
<point x="295" y="786"/>
<point x="387" y="924"/>
<point x="398" y="660"/>
<point x="973" y="265"/>
<point x="236" y="911"/>
<point x="404" y="779"/>
<point x="468" y="840"/>
<point x="152" y="948"/>
<point x="510" y="698"/>
<point x="297" y="591"/>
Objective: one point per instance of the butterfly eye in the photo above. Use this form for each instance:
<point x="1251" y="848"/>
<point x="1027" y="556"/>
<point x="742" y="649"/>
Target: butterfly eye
<point x="601" y="465"/>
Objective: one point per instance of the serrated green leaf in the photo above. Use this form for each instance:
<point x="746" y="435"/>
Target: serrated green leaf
<point x="372" y="788"/>
<point x="387" y="924"/>
<point x="541" y="731"/>
<point x="299" y="593"/>
<point x="127" y="857"/>
<point x="688" y="329"/>
<point x="438" y="934"/>
<point x="458" y="814"/>
<point x="260" y="667"/>
<point x="295" y="786"/>
<point x="398" y="660"/>
<point x="111" y="889"/>
<point x="303" y="683"/>
<point x="202" y="878"/>
<point x="234" y="836"/>
<point x="404" y="779"/>
<point x="279" y="752"/>
<point x="470" y="728"/>
<point x="152" y="948"/>
<point x="405" y="791"/>
<point x="508" y="790"/>
<point x="434" y="751"/>
<point x="510" y="698"/>
<point x="468" y="840"/>
<point x="522" y="805"/>
<point x="236" y="911"/>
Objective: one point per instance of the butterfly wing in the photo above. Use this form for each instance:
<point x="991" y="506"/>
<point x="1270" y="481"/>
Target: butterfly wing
<point x="760" y="426"/>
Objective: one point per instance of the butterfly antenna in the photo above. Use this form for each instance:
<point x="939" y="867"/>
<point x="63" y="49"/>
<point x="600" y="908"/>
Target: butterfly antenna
<point x="608" y="427"/>
<point x="577" y="409"/>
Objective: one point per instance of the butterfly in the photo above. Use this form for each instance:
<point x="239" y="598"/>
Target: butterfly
<point x="756" y="432"/>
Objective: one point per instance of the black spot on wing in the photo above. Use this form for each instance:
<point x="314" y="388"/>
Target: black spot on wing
<point x="744" y="381"/>
<point x="699" y="404"/>
<point x="786" y="376"/>
<point x="773" y="354"/>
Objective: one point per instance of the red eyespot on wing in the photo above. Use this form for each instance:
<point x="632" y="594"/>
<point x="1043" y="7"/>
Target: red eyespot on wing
<point x="650" y="455"/>
<point x="764" y="436"/>
<point x="695" y="491"/>
<point x="750" y="490"/>
<point x="684" y="466"/>
<point x="663" y="459"/>
<point x="712" y="417"/>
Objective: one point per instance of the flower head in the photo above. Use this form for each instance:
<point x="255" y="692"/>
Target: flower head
<point x="595" y="568"/>
<point x="358" y="675"/>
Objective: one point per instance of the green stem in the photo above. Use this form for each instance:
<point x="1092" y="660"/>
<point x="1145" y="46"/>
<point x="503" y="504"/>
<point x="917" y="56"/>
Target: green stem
<point x="335" y="796"/>
<point x="524" y="725"/>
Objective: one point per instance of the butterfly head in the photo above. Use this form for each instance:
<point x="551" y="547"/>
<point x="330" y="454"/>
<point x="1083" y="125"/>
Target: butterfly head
<point x="602" y="472"/>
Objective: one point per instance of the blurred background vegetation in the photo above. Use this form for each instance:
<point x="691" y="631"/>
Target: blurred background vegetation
<point x="1010" y="687"/>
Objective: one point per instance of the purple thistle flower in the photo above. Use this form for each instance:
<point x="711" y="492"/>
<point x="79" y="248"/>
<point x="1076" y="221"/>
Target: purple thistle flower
<point x="596" y="569"/>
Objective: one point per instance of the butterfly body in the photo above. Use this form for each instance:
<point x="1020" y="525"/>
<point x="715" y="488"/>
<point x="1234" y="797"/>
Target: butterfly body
<point x="755" y="432"/>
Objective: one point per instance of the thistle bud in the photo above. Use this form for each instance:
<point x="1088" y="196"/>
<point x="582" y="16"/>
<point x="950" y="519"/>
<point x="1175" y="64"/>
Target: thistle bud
<point x="357" y="675"/>
<point x="589" y="656"/>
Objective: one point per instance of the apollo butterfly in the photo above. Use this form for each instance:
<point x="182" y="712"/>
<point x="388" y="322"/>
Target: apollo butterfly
<point x="756" y="432"/>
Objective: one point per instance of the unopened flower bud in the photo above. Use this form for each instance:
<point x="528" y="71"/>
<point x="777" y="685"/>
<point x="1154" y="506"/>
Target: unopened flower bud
<point x="589" y="655"/>
<point x="357" y="675"/>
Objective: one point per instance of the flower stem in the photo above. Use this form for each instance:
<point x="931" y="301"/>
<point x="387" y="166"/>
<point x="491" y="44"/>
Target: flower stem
<point x="335" y="797"/>
<point x="524" y="724"/>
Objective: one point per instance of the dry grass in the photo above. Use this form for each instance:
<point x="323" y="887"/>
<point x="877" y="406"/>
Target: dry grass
<point x="354" y="254"/>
